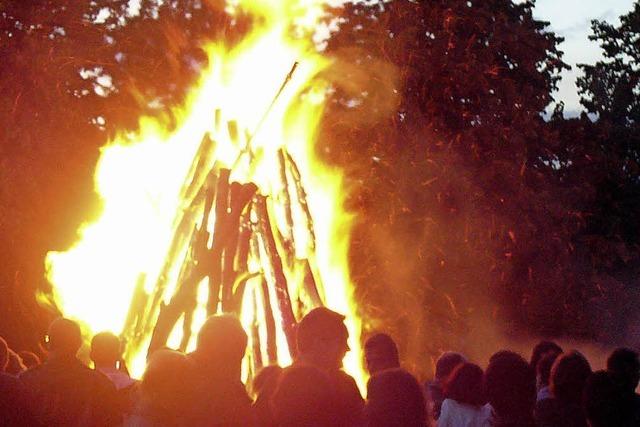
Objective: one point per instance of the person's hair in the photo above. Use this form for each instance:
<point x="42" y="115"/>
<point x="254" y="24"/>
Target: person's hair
<point x="319" y="324"/>
<point x="543" y="369"/>
<point x="15" y="365"/>
<point x="394" y="399"/>
<point x="4" y="354"/>
<point x="602" y="400"/>
<point x="446" y="363"/>
<point x="223" y="336"/>
<point x="381" y="350"/>
<point x="510" y="385"/>
<point x="465" y="385"/>
<point x="265" y="380"/>
<point x="304" y="397"/>
<point x="64" y="336"/>
<point x="624" y="365"/>
<point x="568" y="376"/>
<point x="29" y="359"/>
<point x="105" y="348"/>
<point x="541" y="349"/>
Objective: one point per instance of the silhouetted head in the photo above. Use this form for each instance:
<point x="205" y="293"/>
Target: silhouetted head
<point x="266" y="380"/>
<point x="15" y="365"/>
<point x="510" y="385"/>
<point x="222" y="342"/>
<point x="105" y="350"/>
<point x="541" y="349"/>
<point x="466" y="385"/>
<point x="624" y="366"/>
<point x="543" y="369"/>
<point x="4" y="354"/>
<point x="602" y="401"/>
<point x="568" y="376"/>
<point x="64" y="337"/>
<point x="165" y="386"/>
<point x="304" y="397"/>
<point x="394" y="398"/>
<point x="30" y="359"/>
<point x="322" y="338"/>
<point x="446" y="363"/>
<point x="380" y="353"/>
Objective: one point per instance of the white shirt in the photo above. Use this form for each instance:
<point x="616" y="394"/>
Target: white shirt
<point x="454" y="414"/>
<point x="118" y="378"/>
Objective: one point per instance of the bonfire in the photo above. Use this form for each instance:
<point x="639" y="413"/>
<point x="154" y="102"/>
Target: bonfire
<point x="225" y="208"/>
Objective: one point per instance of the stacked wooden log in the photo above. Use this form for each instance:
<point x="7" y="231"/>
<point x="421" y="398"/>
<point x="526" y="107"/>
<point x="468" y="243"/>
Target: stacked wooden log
<point x="226" y="234"/>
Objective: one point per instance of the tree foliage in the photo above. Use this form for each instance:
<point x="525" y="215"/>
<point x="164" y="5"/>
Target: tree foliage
<point x="450" y="182"/>
<point x="73" y="74"/>
<point x="610" y="87"/>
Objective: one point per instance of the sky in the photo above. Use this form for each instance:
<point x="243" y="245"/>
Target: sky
<point x="572" y="20"/>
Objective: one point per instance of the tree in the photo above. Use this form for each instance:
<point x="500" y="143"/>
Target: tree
<point x="438" y="122"/>
<point x="610" y="87"/>
<point x="73" y="74"/>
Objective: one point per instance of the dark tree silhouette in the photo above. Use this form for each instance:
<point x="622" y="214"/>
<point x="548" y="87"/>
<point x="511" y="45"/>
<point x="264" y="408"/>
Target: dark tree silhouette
<point x="444" y="142"/>
<point x="72" y="75"/>
<point x="609" y="88"/>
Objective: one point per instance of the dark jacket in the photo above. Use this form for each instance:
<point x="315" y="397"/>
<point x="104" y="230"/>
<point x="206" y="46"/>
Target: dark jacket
<point x="67" y="393"/>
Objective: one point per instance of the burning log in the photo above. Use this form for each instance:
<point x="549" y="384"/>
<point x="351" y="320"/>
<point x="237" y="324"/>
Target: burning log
<point x="270" y="323"/>
<point x="183" y="301"/>
<point x="310" y="285"/>
<point x="288" y="166"/>
<point x="200" y="171"/>
<point x="184" y="231"/>
<point x="288" y="237"/>
<point x="302" y="196"/>
<point x="255" y="335"/>
<point x="231" y="201"/>
<point x="240" y="196"/>
<point x="131" y="332"/>
<point x="214" y="258"/>
<point x="288" y="320"/>
<point x="191" y="273"/>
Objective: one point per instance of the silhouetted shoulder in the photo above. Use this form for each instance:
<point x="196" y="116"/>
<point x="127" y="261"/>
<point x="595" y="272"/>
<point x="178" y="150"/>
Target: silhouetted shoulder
<point x="66" y="392"/>
<point x="14" y="402"/>
<point x="348" y="397"/>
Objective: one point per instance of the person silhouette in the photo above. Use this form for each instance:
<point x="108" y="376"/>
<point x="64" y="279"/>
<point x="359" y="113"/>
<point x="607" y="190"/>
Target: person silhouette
<point x="445" y="364"/>
<point x="165" y="392"/>
<point x="465" y="399"/>
<point x="65" y="391"/>
<point x="380" y="353"/>
<point x="221" y="398"/>
<point x="395" y="399"/>
<point x="304" y="397"/>
<point x="15" y="407"/>
<point x="624" y="367"/>
<point x="107" y="358"/>
<point x="569" y="374"/>
<point x="263" y="387"/>
<point x="510" y="384"/>
<point x="321" y="338"/>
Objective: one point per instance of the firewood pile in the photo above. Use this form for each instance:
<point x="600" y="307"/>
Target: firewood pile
<point x="242" y="244"/>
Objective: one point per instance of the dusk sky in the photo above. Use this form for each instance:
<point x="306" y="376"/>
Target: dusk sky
<point x="572" y="20"/>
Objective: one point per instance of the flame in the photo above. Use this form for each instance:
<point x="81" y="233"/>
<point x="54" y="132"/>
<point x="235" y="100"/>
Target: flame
<point x="141" y="179"/>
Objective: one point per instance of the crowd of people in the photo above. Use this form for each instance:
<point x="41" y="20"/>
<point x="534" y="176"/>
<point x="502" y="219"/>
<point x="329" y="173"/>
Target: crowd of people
<point x="555" y="388"/>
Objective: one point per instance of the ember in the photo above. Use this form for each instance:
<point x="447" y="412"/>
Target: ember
<point x="229" y="210"/>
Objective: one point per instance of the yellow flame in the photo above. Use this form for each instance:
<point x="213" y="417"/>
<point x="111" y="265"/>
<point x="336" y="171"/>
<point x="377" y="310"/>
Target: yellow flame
<point x="140" y="178"/>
